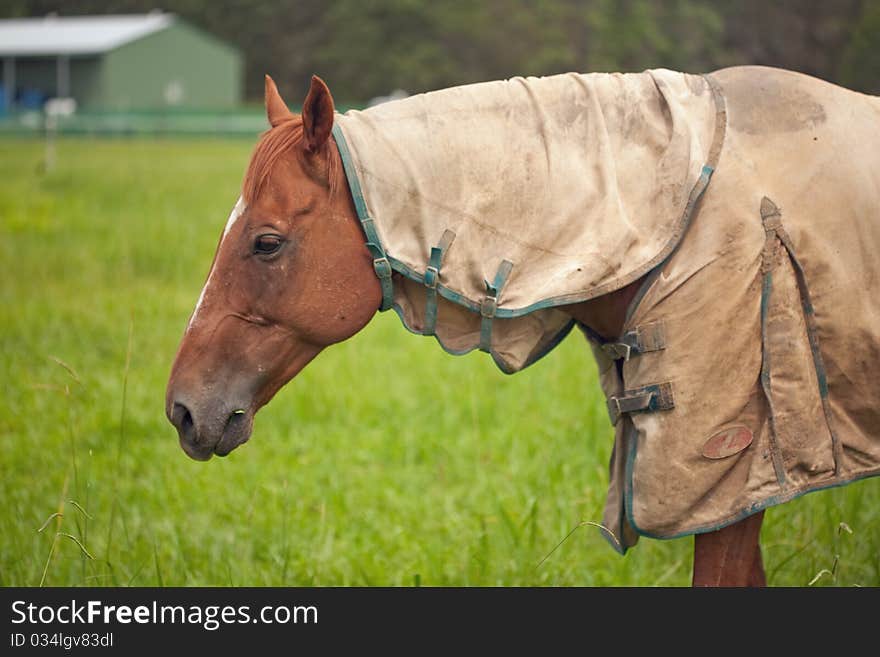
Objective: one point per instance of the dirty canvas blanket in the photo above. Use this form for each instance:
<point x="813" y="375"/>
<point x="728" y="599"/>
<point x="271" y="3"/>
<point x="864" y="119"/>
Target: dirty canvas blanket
<point x="767" y="317"/>
<point x="746" y="372"/>
<point x="579" y="182"/>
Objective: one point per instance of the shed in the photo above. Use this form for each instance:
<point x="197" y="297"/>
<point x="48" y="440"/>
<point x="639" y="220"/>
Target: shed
<point x="125" y="62"/>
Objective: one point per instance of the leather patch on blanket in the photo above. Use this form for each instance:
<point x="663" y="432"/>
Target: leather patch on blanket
<point x="728" y="442"/>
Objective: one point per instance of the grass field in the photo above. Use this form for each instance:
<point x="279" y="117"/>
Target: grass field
<point x="387" y="462"/>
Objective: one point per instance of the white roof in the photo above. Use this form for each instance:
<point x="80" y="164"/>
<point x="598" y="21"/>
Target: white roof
<point x="76" y="35"/>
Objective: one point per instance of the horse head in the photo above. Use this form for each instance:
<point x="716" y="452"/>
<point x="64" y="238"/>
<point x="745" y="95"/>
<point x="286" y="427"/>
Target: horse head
<point x="291" y="275"/>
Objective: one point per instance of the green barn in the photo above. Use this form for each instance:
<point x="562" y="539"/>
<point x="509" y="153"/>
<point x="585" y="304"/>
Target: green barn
<point x="127" y="62"/>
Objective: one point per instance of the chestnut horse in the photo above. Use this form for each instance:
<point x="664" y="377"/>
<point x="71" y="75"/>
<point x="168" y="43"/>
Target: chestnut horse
<point x="292" y="275"/>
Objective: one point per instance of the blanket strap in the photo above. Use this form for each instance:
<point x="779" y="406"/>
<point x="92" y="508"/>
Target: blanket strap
<point x="771" y="217"/>
<point x="772" y="220"/>
<point x="381" y="264"/>
<point x="650" y="337"/>
<point x="654" y="397"/>
<point x="490" y="304"/>
<point x="432" y="278"/>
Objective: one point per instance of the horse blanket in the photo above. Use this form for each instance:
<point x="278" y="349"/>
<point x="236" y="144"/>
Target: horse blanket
<point x="749" y="200"/>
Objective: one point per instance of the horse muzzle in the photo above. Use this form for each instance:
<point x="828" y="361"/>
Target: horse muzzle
<point x="206" y="431"/>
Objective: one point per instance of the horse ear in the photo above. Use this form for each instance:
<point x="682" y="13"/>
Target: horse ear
<point x="317" y="115"/>
<point x="276" y="109"/>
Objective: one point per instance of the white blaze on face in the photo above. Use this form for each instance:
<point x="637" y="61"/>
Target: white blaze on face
<point x="237" y="211"/>
<point x="234" y="215"/>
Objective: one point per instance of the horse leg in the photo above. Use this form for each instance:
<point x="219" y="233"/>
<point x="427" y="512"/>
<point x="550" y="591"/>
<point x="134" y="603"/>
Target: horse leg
<point x="757" y="576"/>
<point x="730" y="556"/>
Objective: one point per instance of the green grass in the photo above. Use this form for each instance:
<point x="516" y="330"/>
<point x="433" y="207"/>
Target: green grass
<point x="386" y="462"/>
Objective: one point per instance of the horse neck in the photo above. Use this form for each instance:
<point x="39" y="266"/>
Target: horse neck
<point x="606" y="315"/>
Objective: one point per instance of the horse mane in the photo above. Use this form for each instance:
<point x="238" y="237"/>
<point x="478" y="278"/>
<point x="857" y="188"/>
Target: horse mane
<point x="272" y="145"/>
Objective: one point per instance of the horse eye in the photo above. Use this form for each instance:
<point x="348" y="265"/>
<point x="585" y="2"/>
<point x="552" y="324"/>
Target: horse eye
<point x="267" y="244"/>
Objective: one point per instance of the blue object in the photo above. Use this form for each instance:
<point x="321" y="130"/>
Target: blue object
<point x="31" y="99"/>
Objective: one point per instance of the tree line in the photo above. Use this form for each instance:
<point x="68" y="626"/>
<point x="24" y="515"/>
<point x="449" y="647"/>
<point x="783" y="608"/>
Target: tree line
<point x="367" y="48"/>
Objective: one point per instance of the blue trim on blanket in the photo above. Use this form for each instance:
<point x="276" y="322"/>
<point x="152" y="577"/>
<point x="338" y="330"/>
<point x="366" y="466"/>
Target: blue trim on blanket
<point x="552" y="344"/>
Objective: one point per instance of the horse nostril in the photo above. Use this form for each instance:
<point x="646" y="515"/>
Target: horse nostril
<point x="183" y="420"/>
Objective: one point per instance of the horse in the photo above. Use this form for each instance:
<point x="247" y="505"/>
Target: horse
<point x="672" y="261"/>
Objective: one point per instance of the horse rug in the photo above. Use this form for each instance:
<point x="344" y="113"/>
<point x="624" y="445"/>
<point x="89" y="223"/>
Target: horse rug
<point x="749" y="200"/>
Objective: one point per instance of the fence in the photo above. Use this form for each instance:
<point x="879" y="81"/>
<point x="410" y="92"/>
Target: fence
<point x="239" y="123"/>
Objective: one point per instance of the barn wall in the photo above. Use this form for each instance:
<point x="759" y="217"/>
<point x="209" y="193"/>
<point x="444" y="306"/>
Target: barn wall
<point x="85" y="81"/>
<point x="177" y="67"/>
<point x="41" y="73"/>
